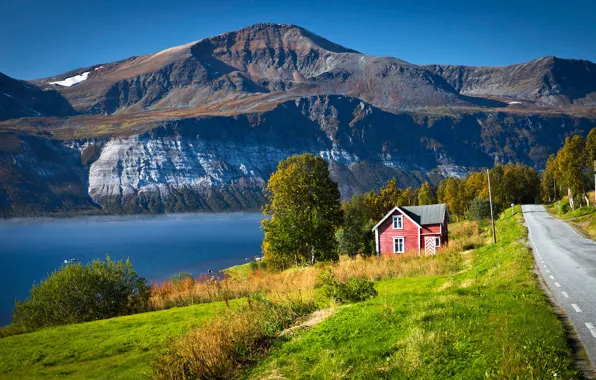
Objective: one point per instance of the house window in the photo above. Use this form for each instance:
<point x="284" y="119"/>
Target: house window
<point x="398" y="222"/>
<point x="437" y="241"/>
<point x="399" y="245"/>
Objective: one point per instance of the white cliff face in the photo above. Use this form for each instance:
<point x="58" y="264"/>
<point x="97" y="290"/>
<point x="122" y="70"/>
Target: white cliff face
<point x="130" y="167"/>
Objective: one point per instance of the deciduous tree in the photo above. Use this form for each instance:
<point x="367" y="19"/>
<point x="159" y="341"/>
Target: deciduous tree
<point x="304" y="206"/>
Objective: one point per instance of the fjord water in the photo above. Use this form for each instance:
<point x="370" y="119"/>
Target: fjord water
<point x="158" y="246"/>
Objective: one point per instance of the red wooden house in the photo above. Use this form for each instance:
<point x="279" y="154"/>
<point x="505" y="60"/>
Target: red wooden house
<point x="412" y="229"/>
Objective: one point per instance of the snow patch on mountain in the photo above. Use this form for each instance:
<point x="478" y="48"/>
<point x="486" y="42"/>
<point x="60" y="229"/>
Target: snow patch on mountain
<point x="71" y="81"/>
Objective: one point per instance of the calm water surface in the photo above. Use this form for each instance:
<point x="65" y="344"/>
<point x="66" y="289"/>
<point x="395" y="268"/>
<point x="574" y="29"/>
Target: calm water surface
<point x="158" y="246"/>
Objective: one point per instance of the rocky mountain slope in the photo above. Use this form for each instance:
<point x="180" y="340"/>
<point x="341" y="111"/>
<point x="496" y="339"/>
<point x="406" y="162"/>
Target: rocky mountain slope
<point x="20" y="99"/>
<point x="201" y="126"/>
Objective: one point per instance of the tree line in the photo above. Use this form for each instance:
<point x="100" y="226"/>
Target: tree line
<point x="309" y="223"/>
<point x="570" y="171"/>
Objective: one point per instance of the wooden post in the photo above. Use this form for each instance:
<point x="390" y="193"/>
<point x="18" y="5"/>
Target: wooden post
<point x="492" y="217"/>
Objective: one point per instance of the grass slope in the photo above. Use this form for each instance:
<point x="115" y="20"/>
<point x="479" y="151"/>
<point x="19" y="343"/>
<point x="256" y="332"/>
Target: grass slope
<point x="440" y="326"/>
<point x="582" y="218"/>
<point x="117" y="348"/>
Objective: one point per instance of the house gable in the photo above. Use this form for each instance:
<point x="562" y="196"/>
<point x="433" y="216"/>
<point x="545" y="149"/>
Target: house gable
<point x="386" y="234"/>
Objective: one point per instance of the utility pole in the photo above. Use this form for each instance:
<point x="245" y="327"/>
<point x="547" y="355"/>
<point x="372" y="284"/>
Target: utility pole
<point x="492" y="217"/>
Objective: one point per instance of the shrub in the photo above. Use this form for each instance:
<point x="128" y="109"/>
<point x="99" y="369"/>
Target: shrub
<point x="79" y="293"/>
<point x="356" y="289"/>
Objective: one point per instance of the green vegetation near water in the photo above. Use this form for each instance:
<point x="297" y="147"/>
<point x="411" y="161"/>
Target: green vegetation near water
<point x="117" y="348"/>
<point x="498" y="325"/>
<point x="440" y="326"/>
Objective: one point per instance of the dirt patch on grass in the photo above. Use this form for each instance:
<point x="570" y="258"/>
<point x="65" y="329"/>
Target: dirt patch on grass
<point x="312" y="320"/>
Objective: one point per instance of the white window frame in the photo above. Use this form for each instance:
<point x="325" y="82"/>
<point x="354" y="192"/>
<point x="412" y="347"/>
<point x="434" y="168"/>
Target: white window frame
<point x="403" y="244"/>
<point x="437" y="238"/>
<point x="401" y="223"/>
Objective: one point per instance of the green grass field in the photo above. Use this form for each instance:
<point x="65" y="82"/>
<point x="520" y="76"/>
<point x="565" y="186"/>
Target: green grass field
<point x="117" y="348"/>
<point x="440" y="326"/>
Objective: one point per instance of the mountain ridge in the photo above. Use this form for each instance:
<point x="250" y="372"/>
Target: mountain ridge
<point x="201" y="126"/>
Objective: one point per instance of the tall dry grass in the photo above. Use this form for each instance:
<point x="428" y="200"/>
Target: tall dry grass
<point x="464" y="236"/>
<point x="232" y="341"/>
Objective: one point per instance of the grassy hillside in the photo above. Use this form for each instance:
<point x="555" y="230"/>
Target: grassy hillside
<point x="582" y="219"/>
<point x="498" y="325"/>
<point x="117" y="348"/>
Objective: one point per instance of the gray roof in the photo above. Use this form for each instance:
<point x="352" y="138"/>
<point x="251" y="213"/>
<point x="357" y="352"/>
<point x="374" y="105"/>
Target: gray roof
<point x="431" y="214"/>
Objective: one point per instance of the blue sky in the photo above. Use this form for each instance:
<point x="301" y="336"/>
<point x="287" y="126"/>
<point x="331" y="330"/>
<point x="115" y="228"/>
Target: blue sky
<point x="39" y="38"/>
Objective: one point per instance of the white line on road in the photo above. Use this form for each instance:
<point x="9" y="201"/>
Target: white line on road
<point x="591" y="328"/>
<point x="558" y="285"/>
<point x="547" y="271"/>
<point x="565" y="294"/>
<point x="576" y="308"/>
<point x="551" y="277"/>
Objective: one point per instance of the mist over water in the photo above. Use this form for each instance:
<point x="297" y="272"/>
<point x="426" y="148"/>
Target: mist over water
<point x="159" y="246"/>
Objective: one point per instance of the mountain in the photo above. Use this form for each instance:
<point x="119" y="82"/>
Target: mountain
<point x="201" y="126"/>
<point x="22" y="99"/>
<point x="547" y="80"/>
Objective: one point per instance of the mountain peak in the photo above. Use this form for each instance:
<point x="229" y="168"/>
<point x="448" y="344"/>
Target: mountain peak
<point x="269" y="31"/>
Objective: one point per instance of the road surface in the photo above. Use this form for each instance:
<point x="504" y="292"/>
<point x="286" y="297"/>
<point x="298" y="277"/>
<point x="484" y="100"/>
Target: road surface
<point x="567" y="263"/>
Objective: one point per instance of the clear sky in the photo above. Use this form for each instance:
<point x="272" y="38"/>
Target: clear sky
<point x="39" y="38"/>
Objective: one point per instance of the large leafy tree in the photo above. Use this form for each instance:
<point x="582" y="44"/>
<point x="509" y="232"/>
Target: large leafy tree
<point x="550" y="177"/>
<point x="426" y="195"/>
<point x="571" y="160"/>
<point x="305" y="210"/>
<point x="591" y="148"/>
<point x="387" y="198"/>
<point x="355" y="236"/>
<point x="451" y="193"/>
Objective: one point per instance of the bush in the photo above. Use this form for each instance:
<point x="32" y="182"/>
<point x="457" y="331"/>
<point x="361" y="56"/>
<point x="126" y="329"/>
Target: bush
<point x="327" y="288"/>
<point x="79" y="293"/>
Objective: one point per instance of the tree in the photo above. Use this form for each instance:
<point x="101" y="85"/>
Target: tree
<point x="548" y="183"/>
<point x="479" y="209"/>
<point x="571" y="159"/>
<point x="304" y="206"/>
<point x="591" y="148"/>
<point x="476" y="186"/>
<point x="356" y="236"/>
<point x="387" y="198"/>
<point x="407" y="198"/>
<point x="80" y="293"/>
<point x="426" y="195"/>
<point x="452" y="195"/>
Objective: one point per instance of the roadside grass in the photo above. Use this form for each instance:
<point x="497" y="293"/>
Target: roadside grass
<point x="499" y="325"/>
<point x="117" y="348"/>
<point x="582" y="218"/>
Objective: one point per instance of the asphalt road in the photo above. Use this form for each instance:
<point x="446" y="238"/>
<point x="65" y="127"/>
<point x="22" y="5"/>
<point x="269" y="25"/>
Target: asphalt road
<point x="567" y="263"/>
